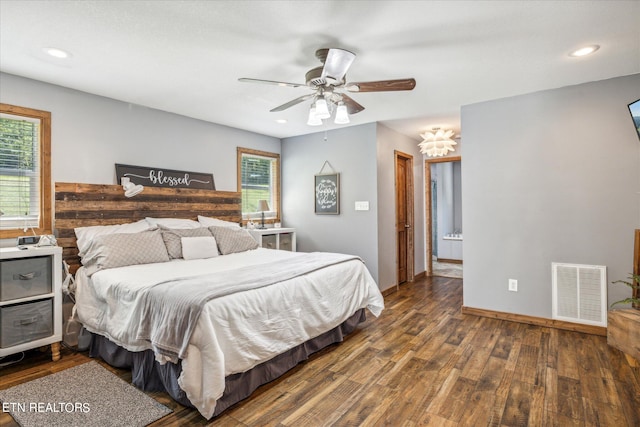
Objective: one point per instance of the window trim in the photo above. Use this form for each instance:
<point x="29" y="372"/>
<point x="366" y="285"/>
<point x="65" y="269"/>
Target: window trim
<point x="276" y="196"/>
<point x="44" y="222"/>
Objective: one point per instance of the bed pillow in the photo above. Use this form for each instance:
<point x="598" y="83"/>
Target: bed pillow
<point x="123" y="249"/>
<point x="173" y="222"/>
<point x="231" y="240"/>
<point x="209" y="222"/>
<point x="85" y="235"/>
<point x="172" y="238"/>
<point x="199" y="247"/>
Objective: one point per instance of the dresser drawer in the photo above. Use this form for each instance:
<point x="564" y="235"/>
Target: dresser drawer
<point x="25" y="277"/>
<point x="25" y="322"/>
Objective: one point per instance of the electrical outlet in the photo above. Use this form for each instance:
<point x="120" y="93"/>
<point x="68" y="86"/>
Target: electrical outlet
<point x="513" y="285"/>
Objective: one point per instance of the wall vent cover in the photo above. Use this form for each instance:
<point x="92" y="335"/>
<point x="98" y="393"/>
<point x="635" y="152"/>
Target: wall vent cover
<point x="580" y="293"/>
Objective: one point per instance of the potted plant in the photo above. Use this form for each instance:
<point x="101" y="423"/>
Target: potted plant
<point x="623" y="325"/>
<point x="634" y="284"/>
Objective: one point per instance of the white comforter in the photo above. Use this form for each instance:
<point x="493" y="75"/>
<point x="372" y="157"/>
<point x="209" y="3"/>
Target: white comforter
<point x="236" y="332"/>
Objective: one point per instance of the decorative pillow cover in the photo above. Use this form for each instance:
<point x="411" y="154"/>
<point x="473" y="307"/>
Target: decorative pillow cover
<point x="173" y="222"/>
<point x="231" y="240"/>
<point x="122" y="249"/>
<point x="172" y="238"/>
<point x="85" y="235"/>
<point x="199" y="247"/>
<point x="210" y="222"/>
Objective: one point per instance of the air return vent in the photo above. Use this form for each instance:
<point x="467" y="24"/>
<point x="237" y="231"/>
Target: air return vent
<point x="580" y="293"/>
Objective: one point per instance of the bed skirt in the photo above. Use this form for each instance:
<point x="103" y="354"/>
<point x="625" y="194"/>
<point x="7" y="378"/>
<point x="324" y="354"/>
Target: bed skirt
<point x="148" y="375"/>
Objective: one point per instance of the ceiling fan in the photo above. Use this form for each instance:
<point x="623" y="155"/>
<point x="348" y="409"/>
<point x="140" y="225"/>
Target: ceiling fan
<point x="328" y="82"/>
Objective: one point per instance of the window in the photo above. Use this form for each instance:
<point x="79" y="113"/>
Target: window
<point x="259" y="179"/>
<point x="25" y="171"/>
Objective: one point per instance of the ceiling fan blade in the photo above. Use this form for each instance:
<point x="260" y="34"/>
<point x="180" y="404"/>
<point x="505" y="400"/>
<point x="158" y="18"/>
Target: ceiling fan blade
<point x="293" y="102"/>
<point x="336" y="65"/>
<point x="352" y="106"/>
<point x="381" y="85"/>
<point x="271" y="82"/>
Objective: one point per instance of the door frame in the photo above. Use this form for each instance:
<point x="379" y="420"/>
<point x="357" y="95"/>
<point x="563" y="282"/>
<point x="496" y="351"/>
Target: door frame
<point x="410" y="207"/>
<point x="427" y="202"/>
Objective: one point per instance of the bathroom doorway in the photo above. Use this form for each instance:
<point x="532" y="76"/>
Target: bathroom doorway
<point x="443" y="217"/>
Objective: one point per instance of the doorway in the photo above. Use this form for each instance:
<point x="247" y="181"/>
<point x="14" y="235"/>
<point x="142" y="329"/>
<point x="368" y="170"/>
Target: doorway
<point x="444" y="237"/>
<point x="404" y="217"/>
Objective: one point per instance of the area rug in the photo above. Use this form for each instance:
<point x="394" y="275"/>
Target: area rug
<point x="85" y="395"/>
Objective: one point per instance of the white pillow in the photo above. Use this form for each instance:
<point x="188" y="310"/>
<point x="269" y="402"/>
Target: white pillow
<point x="199" y="247"/>
<point x="85" y="235"/>
<point x="174" y="222"/>
<point x="208" y="222"/>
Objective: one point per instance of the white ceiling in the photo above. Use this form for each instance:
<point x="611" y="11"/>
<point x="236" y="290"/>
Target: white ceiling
<point x="185" y="57"/>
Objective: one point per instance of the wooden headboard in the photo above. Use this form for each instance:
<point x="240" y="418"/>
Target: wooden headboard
<point x="81" y="205"/>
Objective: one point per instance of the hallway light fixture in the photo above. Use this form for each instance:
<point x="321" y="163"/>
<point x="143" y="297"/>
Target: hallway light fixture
<point x="437" y="143"/>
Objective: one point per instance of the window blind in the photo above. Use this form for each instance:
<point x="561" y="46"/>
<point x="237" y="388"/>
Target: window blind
<point x="257" y="181"/>
<point x="19" y="172"/>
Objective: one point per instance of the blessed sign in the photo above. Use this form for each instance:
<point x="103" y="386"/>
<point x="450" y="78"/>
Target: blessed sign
<point x="158" y="177"/>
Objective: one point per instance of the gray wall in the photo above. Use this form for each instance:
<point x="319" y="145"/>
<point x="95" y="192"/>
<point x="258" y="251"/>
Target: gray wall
<point x="89" y="134"/>
<point x="351" y="152"/>
<point x="548" y="177"/>
<point x="388" y="141"/>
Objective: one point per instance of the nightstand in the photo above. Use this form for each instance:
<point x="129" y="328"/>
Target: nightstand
<point x="30" y="299"/>
<point x="276" y="238"/>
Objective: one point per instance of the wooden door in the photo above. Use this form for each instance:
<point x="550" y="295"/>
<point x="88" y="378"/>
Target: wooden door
<point x="404" y="216"/>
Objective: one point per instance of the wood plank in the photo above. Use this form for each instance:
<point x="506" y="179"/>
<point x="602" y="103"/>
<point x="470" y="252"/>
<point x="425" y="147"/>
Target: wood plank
<point x="536" y="321"/>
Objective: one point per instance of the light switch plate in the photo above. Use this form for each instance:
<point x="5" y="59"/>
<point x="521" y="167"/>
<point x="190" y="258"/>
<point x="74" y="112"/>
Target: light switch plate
<point x="362" y="206"/>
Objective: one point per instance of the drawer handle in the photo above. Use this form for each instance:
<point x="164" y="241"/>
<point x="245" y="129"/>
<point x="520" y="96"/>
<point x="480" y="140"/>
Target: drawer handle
<point x="26" y="276"/>
<point x="29" y="321"/>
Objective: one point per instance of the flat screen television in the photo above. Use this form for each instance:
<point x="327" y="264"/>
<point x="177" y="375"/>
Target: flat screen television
<point x="634" y="109"/>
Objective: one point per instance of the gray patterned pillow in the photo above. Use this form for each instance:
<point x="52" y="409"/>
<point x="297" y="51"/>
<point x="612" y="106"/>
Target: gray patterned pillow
<point x="122" y="249"/>
<point x="173" y="238"/>
<point x="233" y="239"/>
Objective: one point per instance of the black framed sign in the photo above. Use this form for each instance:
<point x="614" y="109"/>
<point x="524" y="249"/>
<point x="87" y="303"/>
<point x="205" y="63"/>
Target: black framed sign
<point x="159" y="177"/>
<point x="327" y="193"/>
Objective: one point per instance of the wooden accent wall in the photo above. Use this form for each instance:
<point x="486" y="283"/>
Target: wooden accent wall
<point x="82" y="205"/>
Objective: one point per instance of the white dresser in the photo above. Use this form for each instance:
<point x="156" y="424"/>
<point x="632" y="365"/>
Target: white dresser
<point x="30" y="299"/>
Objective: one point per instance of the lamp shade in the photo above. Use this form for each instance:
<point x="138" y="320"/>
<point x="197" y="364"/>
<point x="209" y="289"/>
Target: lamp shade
<point x="437" y="143"/>
<point x="313" y="119"/>
<point x="263" y="206"/>
<point x="342" y="116"/>
<point x="322" y="109"/>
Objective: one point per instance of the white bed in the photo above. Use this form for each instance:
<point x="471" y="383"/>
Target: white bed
<point x="236" y="332"/>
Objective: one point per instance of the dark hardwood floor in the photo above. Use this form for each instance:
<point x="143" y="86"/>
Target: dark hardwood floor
<point x="424" y="363"/>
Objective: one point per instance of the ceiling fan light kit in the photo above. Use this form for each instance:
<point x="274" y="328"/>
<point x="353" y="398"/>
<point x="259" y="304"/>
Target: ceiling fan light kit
<point x="313" y="118"/>
<point x="342" y="116"/>
<point x="437" y="143"/>
<point x="326" y="83"/>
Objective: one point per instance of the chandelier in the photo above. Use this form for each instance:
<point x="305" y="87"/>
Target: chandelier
<point x="437" y="143"/>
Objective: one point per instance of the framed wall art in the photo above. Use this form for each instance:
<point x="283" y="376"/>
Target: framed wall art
<point x="327" y="193"/>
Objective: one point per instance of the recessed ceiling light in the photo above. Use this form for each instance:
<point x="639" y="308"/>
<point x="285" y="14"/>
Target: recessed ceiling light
<point x="583" y="51"/>
<point x="56" y="53"/>
<point x="281" y="121"/>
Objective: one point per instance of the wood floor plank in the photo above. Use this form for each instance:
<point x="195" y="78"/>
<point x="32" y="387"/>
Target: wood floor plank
<point x="422" y="363"/>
